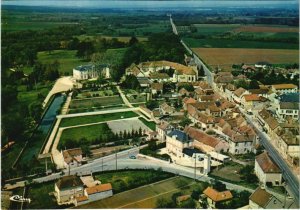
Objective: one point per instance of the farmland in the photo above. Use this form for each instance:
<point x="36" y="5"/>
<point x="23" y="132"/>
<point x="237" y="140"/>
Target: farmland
<point x="270" y="29"/>
<point x="226" y="57"/>
<point x="146" y="196"/>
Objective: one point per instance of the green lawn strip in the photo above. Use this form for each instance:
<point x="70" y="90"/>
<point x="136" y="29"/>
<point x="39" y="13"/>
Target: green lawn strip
<point x="66" y="58"/>
<point x="104" y="108"/>
<point x="151" y="125"/>
<point x="90" y="133"/>
<point x="65" y="122"/>
<point x="8" y="157"/>
<point x="95" y="102"/>
<point x="226" y="43"/>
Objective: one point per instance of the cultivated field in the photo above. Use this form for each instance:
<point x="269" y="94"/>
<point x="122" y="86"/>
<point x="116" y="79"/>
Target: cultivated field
<point x="225" y="57"/>
<point x="142" y="197"/>
<point x="271" y="29"/>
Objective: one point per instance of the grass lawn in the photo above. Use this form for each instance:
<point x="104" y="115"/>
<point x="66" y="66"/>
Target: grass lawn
<point x="28" y="96"/>
<point x="229" y="172"/>
<point x="125" y="180"/>
<point x="111" y="107"/>
<point x="151" y="125"/>
<point x="95" y="102"/>
<point x="9" y="157"/>
<point x="136" y="99"/>
<point x="66" y="58"/>
<point x="90" y="133"/>
<point x="40" y="198"/>
<point x="65" y="122"/>
<point x="146" y="196"/>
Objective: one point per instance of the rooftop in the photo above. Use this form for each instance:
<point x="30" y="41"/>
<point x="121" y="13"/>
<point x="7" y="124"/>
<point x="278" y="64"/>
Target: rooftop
<point x="217" y="196"/>
<point x="98" y="188"/>
<point x="266" y="163"/>
<point x="181" y="136"/>
<point x="69" y="182"/>
<point x="261" y="197"/>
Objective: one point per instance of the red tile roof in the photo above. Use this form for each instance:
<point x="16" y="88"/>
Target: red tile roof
<point x="98" y="188"/>
<point x="252" y="97"/>
<point x="217" y="196"/>
<point x="201" y="137"/>
<point x="266" y="163"/>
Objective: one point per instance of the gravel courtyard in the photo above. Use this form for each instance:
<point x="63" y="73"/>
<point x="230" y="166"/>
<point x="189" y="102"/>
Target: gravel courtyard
<point x="126" y="124"/>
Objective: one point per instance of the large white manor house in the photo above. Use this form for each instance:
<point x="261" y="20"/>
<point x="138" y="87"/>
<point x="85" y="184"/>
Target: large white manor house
<point x="91" y="71"/>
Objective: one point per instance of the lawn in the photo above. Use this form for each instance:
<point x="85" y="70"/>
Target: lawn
<point x="146" y="196"/>
<point x="95" y="102"/>
<point x="28" y="96"/>
<point x="226" y="57"/>
<point x="90" y="133"/>
<point x="40" y="198"/>
<point x="226" y="43"/>
<point x="104" y="108"/>
<point x="125" y="180"/>
<point x="9" y="157"/>
<point x="71" y="121"/>
<point x="66" y="58"/>
<point x="229" y="172"/>
<point x="136" y="98"/>
<point x="151" y="124"/>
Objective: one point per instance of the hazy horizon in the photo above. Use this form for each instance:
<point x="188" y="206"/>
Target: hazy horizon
<point x="98" y="4"/>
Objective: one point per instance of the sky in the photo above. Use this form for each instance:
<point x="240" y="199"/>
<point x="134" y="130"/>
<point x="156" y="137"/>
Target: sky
<point x="149" y="3"/>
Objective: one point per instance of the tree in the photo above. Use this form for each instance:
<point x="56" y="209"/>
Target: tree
<point x="247" y="173"/>
<point x="35" y="110"/>
<point x="163" y="203"/>
<point x="219" y="186"/>
<point x="152" y="104"/>
<point x="185" y="121"/>
<point x="86" y="150"/>
<point x="133" y="41"/>
<point x="253" y="84"/>
<point x="188" y="204"/>
<point x="131" y="82"/>
<point x="201" y="72"/>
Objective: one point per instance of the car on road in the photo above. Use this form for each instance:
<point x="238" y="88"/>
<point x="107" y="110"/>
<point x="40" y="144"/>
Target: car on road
<point x="132" y="157"/>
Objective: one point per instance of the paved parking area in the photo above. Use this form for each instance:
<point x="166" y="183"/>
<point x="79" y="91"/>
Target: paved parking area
<point x="126" y="124"/>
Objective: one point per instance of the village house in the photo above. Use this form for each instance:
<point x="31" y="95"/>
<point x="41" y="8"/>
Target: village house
<point x="162" y="129"/>
<point x="267" y="170"/>
<point x="287" y="109"/>
<point x="284" y="88"/>
<point x="157" y="71"/>
<point x="268" y="122"/>
<point x="238" y="94"/>
<point x="183" y="92"/>
<point x="95" y="193"/>
<point x="166" y="109"/>
<point x="72" y="157"/>
<point x="68" y="188"/>
<point x="176" y="141"/>
<point x="205" y="142"/>
<point x="91" y="71"/>
<point x="261" y="199"/>
<point x="186" y="101"/>
<point x="157" y="88"/>
<point x="251" y="101"/>
<point x="288" y="143"/>
<point x="215" y="197"/>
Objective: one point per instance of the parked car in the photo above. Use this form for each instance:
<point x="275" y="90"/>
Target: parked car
<point x="132" y="157"/>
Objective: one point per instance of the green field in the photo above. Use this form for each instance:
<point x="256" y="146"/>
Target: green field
<point x="95" y="118"/>
<point x="224" y="43"/>
<point x="39" y="194"/>
<point x="125" y="180"/>
<point x="28" y="96"/>
<point x="90" y="133"/>
<point x="151" y="125"/>
<point x="95" y="102"/>
<point x="66" y="58"/>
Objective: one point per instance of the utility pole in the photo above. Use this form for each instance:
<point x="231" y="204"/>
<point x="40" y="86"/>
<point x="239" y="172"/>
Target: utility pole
<point x="102" y="164"/>
<point x="195" y="166"/>
<point x="46" y="165"/>
<point x="117" y="160"/>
